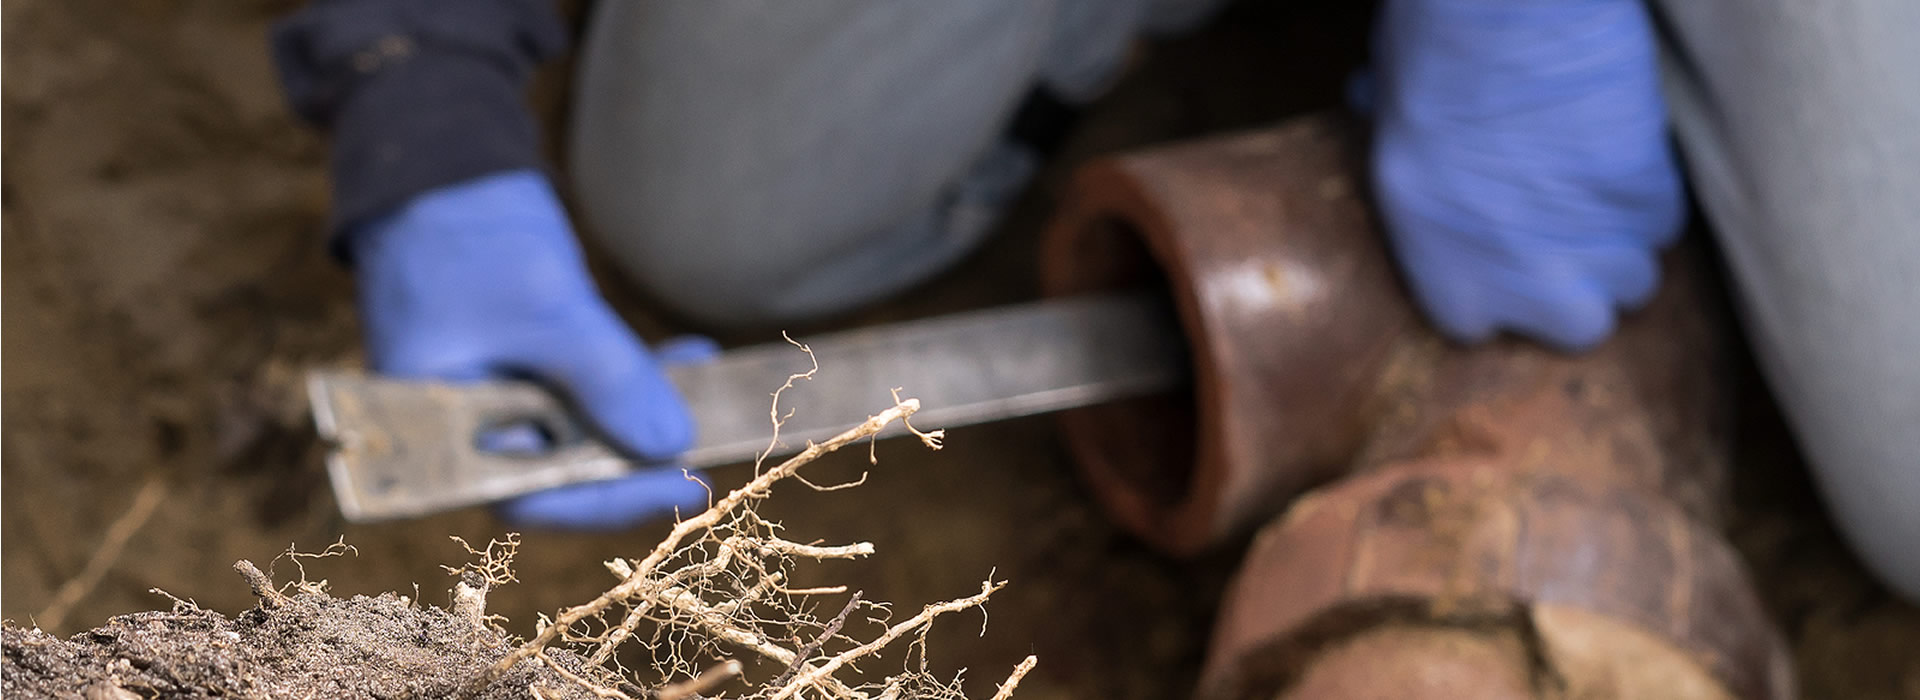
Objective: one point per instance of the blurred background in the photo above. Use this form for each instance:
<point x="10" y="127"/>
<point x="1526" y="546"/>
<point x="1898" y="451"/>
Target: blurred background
<point x="165" y="286"/>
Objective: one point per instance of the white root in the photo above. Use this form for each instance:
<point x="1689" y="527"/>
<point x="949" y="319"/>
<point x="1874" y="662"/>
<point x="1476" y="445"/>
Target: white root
<point x="718" y="585"/>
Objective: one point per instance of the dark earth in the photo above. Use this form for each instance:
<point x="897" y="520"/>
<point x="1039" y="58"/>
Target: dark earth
<point x="308" y="644"/>
<point x="163" y="217"/>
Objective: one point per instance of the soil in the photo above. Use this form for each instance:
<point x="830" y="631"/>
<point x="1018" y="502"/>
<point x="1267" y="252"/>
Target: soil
<point x="163" y="218"/>
<point x="307" y="645"/>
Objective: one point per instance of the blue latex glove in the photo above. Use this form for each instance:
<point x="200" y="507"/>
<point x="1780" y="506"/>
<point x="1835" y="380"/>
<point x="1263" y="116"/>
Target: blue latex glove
<point x="1521" y="162"/>
<point x="484" y="279"/>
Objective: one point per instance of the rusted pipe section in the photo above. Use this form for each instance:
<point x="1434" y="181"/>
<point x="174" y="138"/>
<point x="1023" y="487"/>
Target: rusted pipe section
<point x="1559" y="510"/>
<point x="1305" y="349"/>
<point x="1507" y="522"/>
<point x="1574" y="589"/>
<point x="1288" y="320"/>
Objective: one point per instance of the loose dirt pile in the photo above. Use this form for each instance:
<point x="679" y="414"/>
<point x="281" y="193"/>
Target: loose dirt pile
<point x="305" y="645"/>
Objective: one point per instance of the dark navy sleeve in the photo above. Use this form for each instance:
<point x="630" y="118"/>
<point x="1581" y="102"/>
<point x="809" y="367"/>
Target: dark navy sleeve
<point x="416" y="93"/>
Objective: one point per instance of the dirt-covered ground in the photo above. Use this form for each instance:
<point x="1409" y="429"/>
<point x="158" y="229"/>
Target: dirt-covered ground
<point x="165" y="286"/>
<point x="307" y="644"/>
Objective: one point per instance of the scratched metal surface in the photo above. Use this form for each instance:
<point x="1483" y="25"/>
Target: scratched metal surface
<point x="403" y="449"/>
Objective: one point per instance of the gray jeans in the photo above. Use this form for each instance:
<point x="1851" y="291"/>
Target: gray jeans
<point x="1800" y="125"/>
<point x="763" y="162"/>
<point x="754" y="162"/>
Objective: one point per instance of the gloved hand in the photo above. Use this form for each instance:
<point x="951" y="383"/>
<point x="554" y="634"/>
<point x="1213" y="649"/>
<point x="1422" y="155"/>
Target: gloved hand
<point x="484" y="278"/>
<point x="1521" y="162"/>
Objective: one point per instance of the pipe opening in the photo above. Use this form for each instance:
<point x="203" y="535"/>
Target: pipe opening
<point x="1149" y="442"/>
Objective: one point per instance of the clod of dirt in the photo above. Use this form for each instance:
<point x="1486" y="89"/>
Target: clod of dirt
<point x="307" y="644"/>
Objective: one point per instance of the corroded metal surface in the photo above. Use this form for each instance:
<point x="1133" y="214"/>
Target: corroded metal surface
<point x="1567" y="502"/>
<point x="1288" y="323"/>
<point x="1305" y="350"/>
<point x="1474" y="546"/>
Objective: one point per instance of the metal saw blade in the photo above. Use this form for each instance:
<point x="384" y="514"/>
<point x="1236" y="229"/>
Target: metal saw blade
<point x="407" y="448"/>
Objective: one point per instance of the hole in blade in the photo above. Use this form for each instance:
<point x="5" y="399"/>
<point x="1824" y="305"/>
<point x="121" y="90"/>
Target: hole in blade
<point x="525" y="436"/>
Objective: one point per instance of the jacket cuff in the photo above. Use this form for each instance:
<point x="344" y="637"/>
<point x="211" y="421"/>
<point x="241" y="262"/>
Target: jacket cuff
<point x="417" y="94"/>
<point x="432" y="120"/>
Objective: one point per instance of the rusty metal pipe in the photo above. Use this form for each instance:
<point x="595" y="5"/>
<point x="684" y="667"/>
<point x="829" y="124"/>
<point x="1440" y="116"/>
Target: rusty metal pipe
<point x="1531" y="522"/>
<point x="1288" y="322"/>
<point x="1605" y="591"/>
<point x="1305" y="349"/>
<point x="1569" y="503"/>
